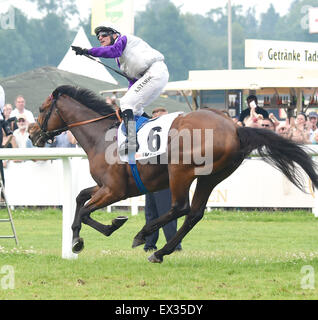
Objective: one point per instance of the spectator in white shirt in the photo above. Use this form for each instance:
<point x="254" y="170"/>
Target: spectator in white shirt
<point x="21" y="134"/>
<point x="21" y="110"/>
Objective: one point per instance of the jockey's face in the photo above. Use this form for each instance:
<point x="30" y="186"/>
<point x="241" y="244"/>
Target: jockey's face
<point x="106" y="40"/>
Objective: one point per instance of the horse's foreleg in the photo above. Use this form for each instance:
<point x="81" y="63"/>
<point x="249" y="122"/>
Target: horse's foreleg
<point x="82" y="197"/>
<point x="100" y="199"/>
<point x="106" y="230"/>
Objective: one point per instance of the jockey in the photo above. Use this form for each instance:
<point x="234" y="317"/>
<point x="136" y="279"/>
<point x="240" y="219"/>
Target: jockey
<point x="140" y="62"/>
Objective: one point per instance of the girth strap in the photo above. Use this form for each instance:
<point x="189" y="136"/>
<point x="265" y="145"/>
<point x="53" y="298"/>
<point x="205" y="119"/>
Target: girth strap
<point x="141" y="187"/>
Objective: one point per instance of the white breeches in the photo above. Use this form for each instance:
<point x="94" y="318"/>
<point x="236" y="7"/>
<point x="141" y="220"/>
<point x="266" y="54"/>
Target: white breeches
<point x="146" y="89"/>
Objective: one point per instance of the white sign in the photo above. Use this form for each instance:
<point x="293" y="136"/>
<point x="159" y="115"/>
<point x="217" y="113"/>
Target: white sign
<point x="281" y="54"/>
<point x="313" y="20"/>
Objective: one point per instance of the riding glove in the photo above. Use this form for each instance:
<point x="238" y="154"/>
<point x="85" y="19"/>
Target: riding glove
<point x="79" y="51"/>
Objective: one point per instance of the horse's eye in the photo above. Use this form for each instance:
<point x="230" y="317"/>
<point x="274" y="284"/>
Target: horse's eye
<point x="40" y="110"/>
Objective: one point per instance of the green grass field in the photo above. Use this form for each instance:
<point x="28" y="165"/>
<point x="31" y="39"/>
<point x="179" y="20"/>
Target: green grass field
<point x="228" y="255"/>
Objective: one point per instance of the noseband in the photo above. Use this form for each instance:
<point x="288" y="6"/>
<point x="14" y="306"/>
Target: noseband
<point x="49" y="135"/>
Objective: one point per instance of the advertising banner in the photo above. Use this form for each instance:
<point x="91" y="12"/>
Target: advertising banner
<point x="281" y="54"/>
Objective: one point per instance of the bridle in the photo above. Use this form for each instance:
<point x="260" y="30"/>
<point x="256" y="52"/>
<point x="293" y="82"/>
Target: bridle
<point x="49" y="135"/>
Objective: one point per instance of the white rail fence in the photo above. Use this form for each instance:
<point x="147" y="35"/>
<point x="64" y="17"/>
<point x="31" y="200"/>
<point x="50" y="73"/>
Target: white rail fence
<point x="55" y="176"/>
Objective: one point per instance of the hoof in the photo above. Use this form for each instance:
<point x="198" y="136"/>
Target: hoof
<point x="78" y="245"/>
<point x="154" y="259"/>
<point x="116" y="224"/>
<point x="137" y="242"/>
<point x="119" y="221"/>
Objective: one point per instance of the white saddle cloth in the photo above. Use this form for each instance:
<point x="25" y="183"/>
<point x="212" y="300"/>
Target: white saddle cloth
<point x="152" y="137"/>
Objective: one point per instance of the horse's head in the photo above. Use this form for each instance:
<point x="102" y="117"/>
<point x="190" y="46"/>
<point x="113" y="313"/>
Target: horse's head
<point x="57" y="113"/>
<point x="49" y="122"/>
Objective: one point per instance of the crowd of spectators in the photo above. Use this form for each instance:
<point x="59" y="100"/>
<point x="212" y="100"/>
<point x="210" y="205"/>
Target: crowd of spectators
<point x="19" y="119"/>
<point x="302" y="128"/>
<point x="15" y="132"/>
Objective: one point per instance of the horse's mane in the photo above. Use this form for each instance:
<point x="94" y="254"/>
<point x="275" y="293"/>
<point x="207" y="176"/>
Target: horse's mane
<point x="86" y="97"/>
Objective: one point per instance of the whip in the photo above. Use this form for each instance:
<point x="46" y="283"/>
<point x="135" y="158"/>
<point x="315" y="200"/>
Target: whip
<point x="123" y="74"/>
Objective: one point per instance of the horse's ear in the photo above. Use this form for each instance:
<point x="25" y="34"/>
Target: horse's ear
<point x="55" y="94"/>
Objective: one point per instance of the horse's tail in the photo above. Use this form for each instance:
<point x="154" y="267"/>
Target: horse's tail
<point x="279" y="152"/>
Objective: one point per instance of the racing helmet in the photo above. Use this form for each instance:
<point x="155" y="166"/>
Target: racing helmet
<point x="107" y="28"/>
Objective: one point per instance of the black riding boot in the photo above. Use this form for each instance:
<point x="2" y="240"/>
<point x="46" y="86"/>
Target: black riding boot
<point x="131" y="144"/>
<point x="146" y="115"/>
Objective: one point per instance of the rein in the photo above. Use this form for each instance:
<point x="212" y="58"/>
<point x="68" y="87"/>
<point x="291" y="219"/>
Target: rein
<point x="49" y="135"/>
<point x="80" y="123"/>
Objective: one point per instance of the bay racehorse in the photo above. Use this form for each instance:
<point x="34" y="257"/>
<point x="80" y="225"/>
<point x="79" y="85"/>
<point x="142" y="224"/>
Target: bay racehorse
<point x="89" y="118"/>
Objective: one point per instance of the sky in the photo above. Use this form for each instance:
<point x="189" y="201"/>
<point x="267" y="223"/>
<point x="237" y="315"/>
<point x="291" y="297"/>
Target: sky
<point x="197" y="6"/>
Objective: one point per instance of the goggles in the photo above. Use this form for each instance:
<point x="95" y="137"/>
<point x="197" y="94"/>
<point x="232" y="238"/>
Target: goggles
<point x="103" y="34"/>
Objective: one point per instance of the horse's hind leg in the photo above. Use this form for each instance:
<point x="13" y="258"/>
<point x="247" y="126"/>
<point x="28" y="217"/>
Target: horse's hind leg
<point x="180" y="207"/>
<point x="202" y="192"/>
<point x="177" y="210"/>
<point x="204" y="187"/>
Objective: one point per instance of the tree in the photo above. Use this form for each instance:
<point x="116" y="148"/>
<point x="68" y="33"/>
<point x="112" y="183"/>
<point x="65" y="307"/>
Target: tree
<point x="50" y="47"/>
<point x="33" y="43"/>
<point x="188" y="41"/>
<point x="294" y="26"/>
<point x="65" y="9"/>
<point x="268" y="24"/>
<point x="15" y="55"/>
<point x="250" y="24"/>
<point x="162" y="26"/>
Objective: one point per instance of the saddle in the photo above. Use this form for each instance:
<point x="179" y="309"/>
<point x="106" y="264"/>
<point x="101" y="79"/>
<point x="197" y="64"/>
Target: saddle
<point x="140" y="122"/>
